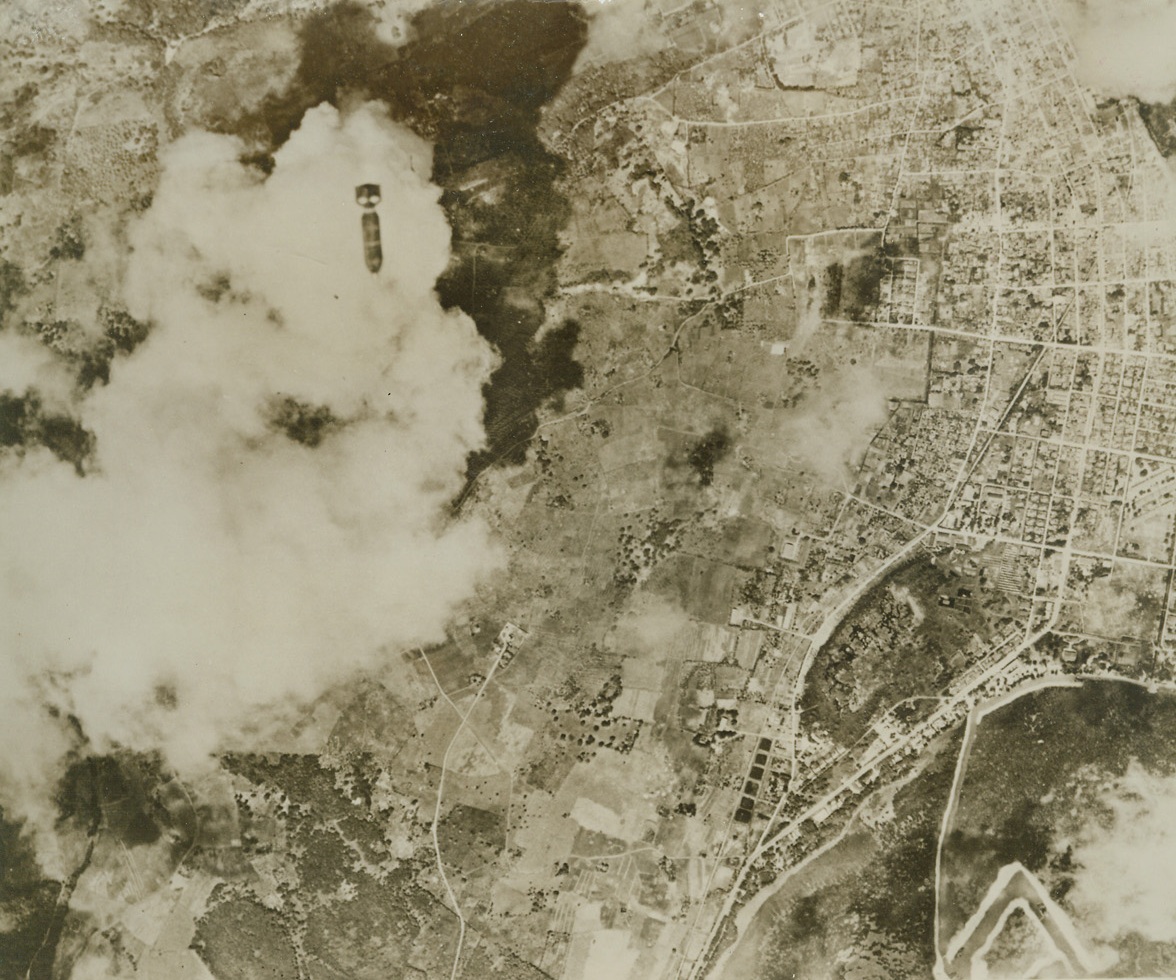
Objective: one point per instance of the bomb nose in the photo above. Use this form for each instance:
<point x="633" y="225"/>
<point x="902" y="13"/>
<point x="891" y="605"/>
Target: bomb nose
<point x="367" y="195"/>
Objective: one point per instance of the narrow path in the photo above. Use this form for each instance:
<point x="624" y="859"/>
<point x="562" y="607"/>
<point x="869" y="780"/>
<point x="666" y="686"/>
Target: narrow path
<point x="464" y="718"/>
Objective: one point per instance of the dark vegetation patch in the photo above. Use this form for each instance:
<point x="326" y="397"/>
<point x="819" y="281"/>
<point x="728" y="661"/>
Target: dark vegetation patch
<point x="24" y="423"/>
<point x="644" y="544"/>
<point x="472" y="80"/>
<point x="97" y="795"/>
<point x="215" y="288"/>
<point x="114" y="795"/>
<point x="174" y="18"/>
<point x="1160" y="120"/>
<point x="1057" y="744"/>
<point x="27" y="903"/>
<point x="850" y="289"/>
<point x="303" y="423"/>
<point x="121" y="334"/>
<point x="471" y="838"/>
<point x="51" y="958"/>
<point x="861" y="284"/>
<point x="883" y="652"/>
<point x="13" y="285"/>
<point x="708" y="451"/>
<point x="392" y="918"/>
<point x="349" y="923"/>
<point x="239" y="938"/>
<point x="302" y="778"/>
<point x="24" y="136"/>
<point x="489" y="959"/>
<point x="695" y="239"/>
<point x="330" y="816"/>
<point x="897" y="894"/>
<point x="831" y="280"/>
<point x="69" y="241"/>
<point x="555" y="369"/>
<point x="873" y="892"/>
<point x="679" y="244"/>
<point x="32" y="140"/>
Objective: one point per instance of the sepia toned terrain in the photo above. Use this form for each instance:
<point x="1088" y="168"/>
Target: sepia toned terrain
<point x="588" y="491"/>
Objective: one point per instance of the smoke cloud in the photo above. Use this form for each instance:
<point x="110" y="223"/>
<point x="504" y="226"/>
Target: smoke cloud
<point x="651" y="624"/>
<point x="25" y="363"/>
<point x="264" y="511"/>
<point x="1126" y="878"/>
<point x="832" y="425"/>
<point x="620" y="30"/>
<point x="1124" y="46"/>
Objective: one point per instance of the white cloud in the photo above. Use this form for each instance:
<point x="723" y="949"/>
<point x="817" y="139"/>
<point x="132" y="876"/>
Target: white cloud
<point x="26" y="363"/>
<point x="833" y="424"/>
<point x="206" y="551"/>
<point x="651" y="624"/>
<point x="1124" y="47"/>
<point x="393" y="22"/>
<point x="95" y="966"/>
<point x="1127" y="877"/>
<point x="619" y="30"/>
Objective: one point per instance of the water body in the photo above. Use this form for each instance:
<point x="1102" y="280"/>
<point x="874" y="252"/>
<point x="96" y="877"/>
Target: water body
<point x="473" y="80"/>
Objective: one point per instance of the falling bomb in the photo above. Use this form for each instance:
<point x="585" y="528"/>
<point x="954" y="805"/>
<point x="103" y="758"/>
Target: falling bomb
<point x="367" y="196"/>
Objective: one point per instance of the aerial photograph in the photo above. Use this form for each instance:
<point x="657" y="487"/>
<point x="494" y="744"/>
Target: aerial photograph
<point x="587" y="489"/>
